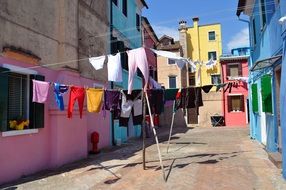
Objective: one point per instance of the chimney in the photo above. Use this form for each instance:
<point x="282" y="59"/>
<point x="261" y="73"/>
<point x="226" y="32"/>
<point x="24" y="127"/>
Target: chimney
<point x="196" y="22"/>
<point x="182" y="24"/>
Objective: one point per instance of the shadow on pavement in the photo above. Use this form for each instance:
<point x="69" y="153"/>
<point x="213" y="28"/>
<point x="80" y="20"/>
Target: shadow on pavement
<point x="116" y="153"/>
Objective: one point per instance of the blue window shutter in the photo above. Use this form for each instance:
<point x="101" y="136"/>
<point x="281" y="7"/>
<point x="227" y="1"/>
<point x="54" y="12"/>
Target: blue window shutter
<point x="37" y="110"/>
<point x="3" y="99"/>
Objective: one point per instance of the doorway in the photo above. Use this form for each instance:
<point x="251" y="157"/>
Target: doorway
<point x="192" y="116"/>
<point x="277" y="94"/>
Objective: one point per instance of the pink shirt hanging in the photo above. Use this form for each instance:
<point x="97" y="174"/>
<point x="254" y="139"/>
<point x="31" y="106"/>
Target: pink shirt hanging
<point x="40" y="91"/>
<point x="137" y="59"/>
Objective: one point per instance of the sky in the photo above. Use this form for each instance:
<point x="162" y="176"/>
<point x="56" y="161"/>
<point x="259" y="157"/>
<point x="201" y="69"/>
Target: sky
<point x="164" y="16"/>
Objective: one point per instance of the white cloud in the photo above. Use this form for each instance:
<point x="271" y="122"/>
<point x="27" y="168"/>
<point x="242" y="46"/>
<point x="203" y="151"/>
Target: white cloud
<point x="240" y="39"/>
<point x="164" y="30"/>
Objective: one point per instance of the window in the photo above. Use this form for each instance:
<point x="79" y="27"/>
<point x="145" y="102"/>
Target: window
<point x="263" y="13"/>
<point x="212" y="54"/>
<point x="192" y="80"/>
<point x="115" y="2"/>
<point x="242" y="52"/>
<point x="211" y="35"/>
<point x="17" y="97"/>
<point x="124" y="7"/>
<point x="166" y="42"/>
<point x="254" y="31"/>
<point x="118" y="46"/>
<point x="172" y="82"/>
<point x="235" y="103"/>
<point x="16" y="100"/>
<point x="138" y="22"/>
<point x="234" y="70"/>
<point x="216" y="79"/>
<point x="171" y="61"/>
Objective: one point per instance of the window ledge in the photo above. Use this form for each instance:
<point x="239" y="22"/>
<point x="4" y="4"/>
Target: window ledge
<point x="19" y="132"/>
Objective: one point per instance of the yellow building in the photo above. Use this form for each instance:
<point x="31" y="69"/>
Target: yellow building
<point x="201" y="43"/>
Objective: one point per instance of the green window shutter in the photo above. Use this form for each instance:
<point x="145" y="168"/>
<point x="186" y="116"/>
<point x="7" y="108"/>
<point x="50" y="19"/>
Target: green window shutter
<point x="3" y="99"/>
<point x="266" y="93"/>
<point x="37" y="110"/>
<point x="254" y="98"/>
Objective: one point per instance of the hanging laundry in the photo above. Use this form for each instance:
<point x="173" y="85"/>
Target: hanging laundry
<point x="59" y="91"/>
<point x="207" y="88"/>
<point x="180" y="61"/>
<point x="219" y="86"/>
<point x="229" y="87"/>
<point x="137" y="59"/>
<point x="156" y="98"/>
<point x="111" y="103"/>
<point x="76" y="93"/>
<point x="97" y="62"/>
<point x="243" y="79"/>
<point x="40" y="91"/>
<point x="210" y="64"/>
<point x="193" y="97"/>
<point x="114" y="68"/>
<point x="199" y="76"/>
<point x="166" y="54"/>
<point x="170" y="94"/>
<point x="131" y="103"/>
<point x="154" y="84"/>
<point x="193" y="66"/>
<point x="178" y="101"/>
<point x="94" y="99"/>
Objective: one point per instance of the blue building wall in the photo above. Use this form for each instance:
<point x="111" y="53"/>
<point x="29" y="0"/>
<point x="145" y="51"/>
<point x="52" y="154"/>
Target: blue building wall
<point x="283" y="87"/>
<point x="134" y="131"/>
<point x="283" y="108"/>
<point x="268" y="44"/>
<point x="126" y="27"/>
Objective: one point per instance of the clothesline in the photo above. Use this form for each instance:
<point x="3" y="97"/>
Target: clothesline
<point x="181" y="61"/>
<point x="41" y="91"/>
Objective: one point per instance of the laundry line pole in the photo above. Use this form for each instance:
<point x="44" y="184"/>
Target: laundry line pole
<point x="155" y="135"/>
<point x="172" y="124"/>
<point x="144" y="132"/>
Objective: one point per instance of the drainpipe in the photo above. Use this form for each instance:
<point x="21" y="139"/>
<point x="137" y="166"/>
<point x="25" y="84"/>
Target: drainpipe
<point x="223" y="95"/>
<point x="252" y="131"/>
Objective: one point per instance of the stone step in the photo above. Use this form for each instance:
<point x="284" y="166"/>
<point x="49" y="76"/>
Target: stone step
<point x="275" y="158"/>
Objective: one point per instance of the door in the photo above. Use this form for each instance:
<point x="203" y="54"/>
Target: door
<point x="278" y="81"/>
<point x="192" y="116"/>
<point x="262" y="117"/>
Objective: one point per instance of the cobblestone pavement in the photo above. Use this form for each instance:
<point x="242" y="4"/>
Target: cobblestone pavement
<point x="199" y="159"/>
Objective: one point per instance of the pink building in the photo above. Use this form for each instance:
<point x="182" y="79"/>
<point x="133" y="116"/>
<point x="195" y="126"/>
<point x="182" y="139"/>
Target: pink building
<point x="59" y="140"/>
<point x="235" y="95"/>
